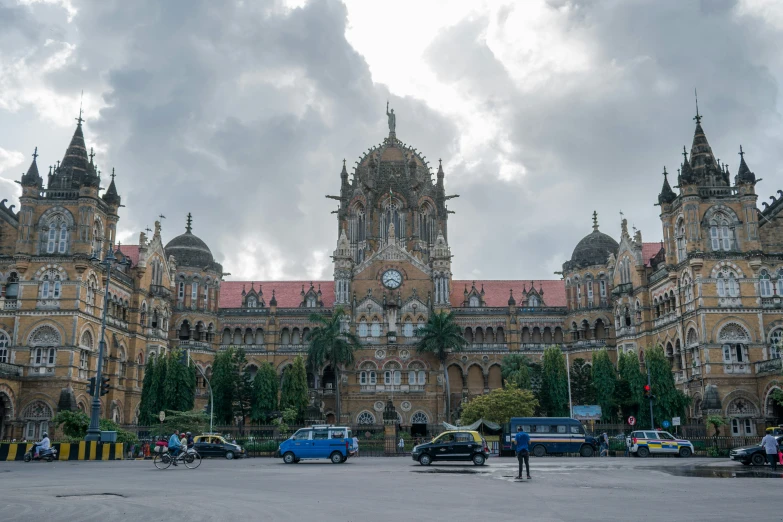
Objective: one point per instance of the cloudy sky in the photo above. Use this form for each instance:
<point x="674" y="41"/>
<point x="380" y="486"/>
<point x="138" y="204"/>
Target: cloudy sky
<point x="241" y="112"/>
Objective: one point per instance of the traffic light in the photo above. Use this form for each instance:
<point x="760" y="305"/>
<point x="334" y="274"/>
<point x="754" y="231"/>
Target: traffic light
<point x="105" y="386"/>
<point x="647" y="391"/>
<point x="91" y="387"/>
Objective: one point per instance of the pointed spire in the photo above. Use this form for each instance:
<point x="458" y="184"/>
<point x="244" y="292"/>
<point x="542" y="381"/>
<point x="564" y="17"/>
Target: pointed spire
<point x="440" y="168"/>
<point x="273" y="301"/>
<point x="686" y="173"/>
<point x="511" y="300"/>
<point x="243" y="291"/>
<point x="595" y="221"/>
<point x="32" y="178"/>
<point x="667" y="195"/>
<point x="744" y="175"/>
<point x="112" y="197"/>
<point x="702" y="159"/>
<point x="75" y="162"/>
<point x="344" y="172"/>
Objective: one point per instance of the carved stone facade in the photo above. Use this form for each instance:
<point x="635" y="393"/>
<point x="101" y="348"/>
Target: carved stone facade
<point x="709" y="293"/>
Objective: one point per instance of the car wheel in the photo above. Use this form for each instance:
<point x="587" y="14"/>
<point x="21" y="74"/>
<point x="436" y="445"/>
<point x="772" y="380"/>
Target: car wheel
<point x="229" y="455"/>
<point x="539" y="451"/>
<point x="586" y="451"/>
<point x="478" y="459"/>
<point x="685" y="452"/>
<point x="643" y="452"/>
<point x="289" y="458"/>
<point x="757" y="459"/>
<point x="425" y="460"/>
<point x="336" y="457"/>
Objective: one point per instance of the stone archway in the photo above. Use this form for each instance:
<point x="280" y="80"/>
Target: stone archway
<point x="6" y="409"/>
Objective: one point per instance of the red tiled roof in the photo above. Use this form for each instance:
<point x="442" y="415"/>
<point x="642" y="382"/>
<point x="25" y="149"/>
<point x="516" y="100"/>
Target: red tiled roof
<point x="496" y="292"/>
<point x="131" y="252"/>
<point x="287" y="293"/>
<point x="649" y="250"/>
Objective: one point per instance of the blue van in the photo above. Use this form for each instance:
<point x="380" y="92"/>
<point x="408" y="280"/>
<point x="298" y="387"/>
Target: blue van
<point x="552" y="435"/>
<point x="318" y="442"/>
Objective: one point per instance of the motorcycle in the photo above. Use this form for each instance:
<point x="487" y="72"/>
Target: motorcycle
<point x="47" y="455"/>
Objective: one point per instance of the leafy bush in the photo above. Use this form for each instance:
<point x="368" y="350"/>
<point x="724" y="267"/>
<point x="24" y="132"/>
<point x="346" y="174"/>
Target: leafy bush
<point x="75" y="423"/>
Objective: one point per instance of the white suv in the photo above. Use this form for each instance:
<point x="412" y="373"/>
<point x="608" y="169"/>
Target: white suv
<point x="644" y="443"/>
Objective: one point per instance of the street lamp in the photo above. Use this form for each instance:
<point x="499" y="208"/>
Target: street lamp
<point x="94" y="431"/>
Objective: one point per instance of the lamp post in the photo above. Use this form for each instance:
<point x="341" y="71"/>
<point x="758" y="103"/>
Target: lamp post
<point x="94" y="431"/>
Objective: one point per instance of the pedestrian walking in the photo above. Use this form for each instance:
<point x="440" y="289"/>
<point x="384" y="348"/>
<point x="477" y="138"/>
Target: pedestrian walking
<point x="356" y="446"/>
<point x="771" y="447"/>
<point x="401" y="445"/>
<point x="604" y="445"/>
<point x="522" y="447"/>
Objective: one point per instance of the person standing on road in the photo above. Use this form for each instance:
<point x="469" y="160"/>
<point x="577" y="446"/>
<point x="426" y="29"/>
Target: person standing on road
<point x="401" y="445"/>
<point x="522" y="447"/>
<point x="771" y="447"/>
<point x="604" y="445"/>
<point x="356" y="445"/>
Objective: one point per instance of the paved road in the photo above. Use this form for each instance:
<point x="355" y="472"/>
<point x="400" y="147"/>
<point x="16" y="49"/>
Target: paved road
<point x="562" y="489"/>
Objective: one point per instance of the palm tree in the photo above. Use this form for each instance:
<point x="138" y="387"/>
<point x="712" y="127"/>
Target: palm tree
<point x="441" y="336"/>
<point x="329" y="344"/>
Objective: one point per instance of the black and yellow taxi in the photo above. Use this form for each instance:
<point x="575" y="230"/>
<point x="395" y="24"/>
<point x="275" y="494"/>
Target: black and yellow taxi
<point x="458" y="445"/>
<point x="213" y="445"/>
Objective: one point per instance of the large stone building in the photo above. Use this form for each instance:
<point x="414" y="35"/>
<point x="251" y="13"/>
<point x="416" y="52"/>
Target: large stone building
<point x="710" y="293"/>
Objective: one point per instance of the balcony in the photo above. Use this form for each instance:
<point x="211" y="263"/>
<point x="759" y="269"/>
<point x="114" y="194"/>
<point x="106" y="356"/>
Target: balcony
<point x="40" y="371"/>
<point x="770" y="366"/>
<point x="293" y="347"/>
<point x="623" y="288"/>
<point x="664" y="319"/>
<point x="717" y="192"/>
<point x="735" y="368"/>
<point x="772" y="302"/>
<point x="487" y="347"/>
<point x="160" y="291"/>
<point x="11" y="370"/>
<point x="10" y="304"/>
<point x="190" y="344"/>
<point x="590" y="343"/>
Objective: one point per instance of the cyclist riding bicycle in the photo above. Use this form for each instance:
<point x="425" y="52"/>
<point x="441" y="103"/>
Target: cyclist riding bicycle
<point x="174" y="446"/>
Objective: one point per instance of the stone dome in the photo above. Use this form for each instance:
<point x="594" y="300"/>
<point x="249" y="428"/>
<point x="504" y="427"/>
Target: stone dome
<point x="593" y="249"/>
<point x="190" y="250"/>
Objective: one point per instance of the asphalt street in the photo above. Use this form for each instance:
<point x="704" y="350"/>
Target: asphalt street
<point x="562" y="489"/>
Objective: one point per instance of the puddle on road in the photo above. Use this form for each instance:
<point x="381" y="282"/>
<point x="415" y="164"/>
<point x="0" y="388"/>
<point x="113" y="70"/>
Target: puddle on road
<point x="454" y="471"/>
<point x="82" y="495"/>
<point x="723" y="473"/>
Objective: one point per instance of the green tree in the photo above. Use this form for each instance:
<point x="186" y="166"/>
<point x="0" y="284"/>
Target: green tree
<point x="582" y="382"/>
<point x="159" y="382"/>
<point x="75" y="423"/>
<point x="243" y="385"/>
<point x="500" y="405"/>
<point x="223" y="386"/>
<point x="331" y="344"/>
<point x="264" y="393"/>
<point x="515" y="369"/>
<point x="180" y="383"/>
<point x="629" y="392"/>
<point x="293" y="393"/>
<point x="554" y="383"/>
<point x="669" y="401"/>
<point x="440" y="337"/>
<point x="777" y="396"/>
<point x="604" y="376"/>
<point x="184" y="421"/>
<point x="148" y="411"/>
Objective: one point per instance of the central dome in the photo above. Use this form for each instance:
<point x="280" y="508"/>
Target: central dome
<point x="593" y="249"/>
<point x="392" y="151"/>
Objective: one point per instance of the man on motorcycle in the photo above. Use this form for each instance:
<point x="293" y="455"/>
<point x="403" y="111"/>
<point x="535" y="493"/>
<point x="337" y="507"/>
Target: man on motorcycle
<point x="45" y="444"/>
<point x="191" y="442"/>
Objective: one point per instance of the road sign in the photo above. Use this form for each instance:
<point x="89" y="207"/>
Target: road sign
<point x="666" y="424"/>
<point x="587" y="412"/>
<point x="631" y="420"/>
<point x="675" y="421"/>
<point x="162" y="416"/>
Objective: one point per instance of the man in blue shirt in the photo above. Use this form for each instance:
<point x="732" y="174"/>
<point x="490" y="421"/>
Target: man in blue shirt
<point x="522" y="446"/>
<point x="174" y="445"/>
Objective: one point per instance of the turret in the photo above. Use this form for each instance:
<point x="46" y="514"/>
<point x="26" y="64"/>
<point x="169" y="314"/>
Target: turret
<point x="667" y="195"/>
<point x="111" y="197"/>
<point x="32" y="178"/>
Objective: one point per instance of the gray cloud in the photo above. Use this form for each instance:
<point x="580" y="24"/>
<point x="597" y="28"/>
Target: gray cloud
<point x="242" y="112"/>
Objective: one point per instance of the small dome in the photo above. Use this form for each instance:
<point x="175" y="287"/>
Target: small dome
<point x="189" y="250"/>
<point x="593" y="249"/>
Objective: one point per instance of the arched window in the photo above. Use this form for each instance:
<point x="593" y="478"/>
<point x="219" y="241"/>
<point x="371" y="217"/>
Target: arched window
<point x="720" y="233"/>
<point x="728" y="286"/>
<point x="365" y="418"/>
<point x="679" y="233"/>
<point x="143" y="318"/>
<point x="407" y="328"/>
<point x="311" y="301"/>
<point x="765" y="285"/>
<point x="97" y="237"/>
<point x="734" y="340"/>
<point x="181" y="291"/>
<point x="252" y="302"/>
<point x="776" y="343"/>
<point x="36" y="417"/>
<point x="602" y="287"/>
<point x="416" y="374"/>
<point x="194" y="293"/>
<point x="122" y="362"/>
<point x="12" y="287"/>
<point x="363" y="327"/>
<point x="533" y="300"/>
<point x="473" y="301"/>
<point x="51" y="286"/>
<point x="419" y="418"/>
<point x="375" y="329"/>
<point x="779" y="283"/>
<point x="367" y="375"/>
<point x="392" y="375"/>
<point x="3" y="348"/>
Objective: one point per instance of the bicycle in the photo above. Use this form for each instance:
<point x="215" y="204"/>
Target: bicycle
<point x="189" y="457"/>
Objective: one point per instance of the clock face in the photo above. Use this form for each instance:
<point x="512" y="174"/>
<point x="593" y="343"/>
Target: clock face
<point x="391" y="279"/>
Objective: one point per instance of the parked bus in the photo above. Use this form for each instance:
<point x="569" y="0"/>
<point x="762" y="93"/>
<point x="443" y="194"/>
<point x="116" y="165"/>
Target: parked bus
<point x="551" y="436"/>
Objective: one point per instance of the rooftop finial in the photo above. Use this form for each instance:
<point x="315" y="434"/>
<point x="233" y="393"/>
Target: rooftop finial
<point x="595" y="221"/>
<point x="392" y="120"/>
<point x="35" y="153"/>
<point x="92" y="154"/>
<point x="189" y="223"/>
<point x="79" y="120"/>
<point x="741" y="152"/>
<point x="698" y="116"/>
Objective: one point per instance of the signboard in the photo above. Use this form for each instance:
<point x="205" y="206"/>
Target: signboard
<point x="675" y="421"/>
<point x="631" y="420"/>
<point x="666" y="424"/>
<point x="587" y="412"/>
<point x="162" y="416"/>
